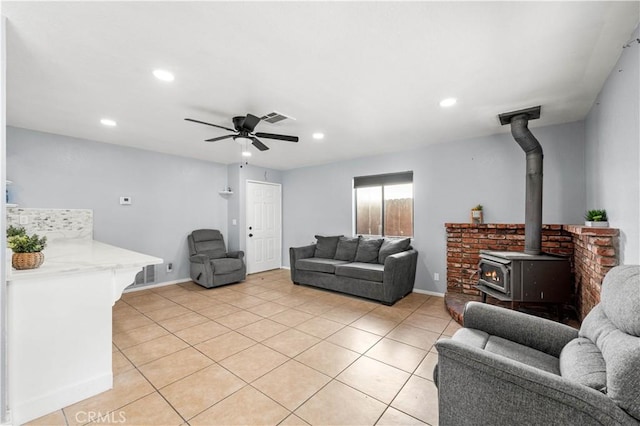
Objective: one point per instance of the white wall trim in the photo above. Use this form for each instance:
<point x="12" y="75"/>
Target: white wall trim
<point x="430" y="293"/>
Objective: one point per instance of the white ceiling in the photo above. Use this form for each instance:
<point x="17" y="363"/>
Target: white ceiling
<point x="369" y="75"/>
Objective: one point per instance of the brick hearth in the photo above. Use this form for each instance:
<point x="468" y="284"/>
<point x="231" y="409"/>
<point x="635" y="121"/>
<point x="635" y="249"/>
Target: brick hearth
<point x="593" y="251"/>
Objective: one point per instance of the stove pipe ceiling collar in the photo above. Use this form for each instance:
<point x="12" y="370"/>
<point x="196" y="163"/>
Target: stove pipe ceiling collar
<point x="533" y="150"/>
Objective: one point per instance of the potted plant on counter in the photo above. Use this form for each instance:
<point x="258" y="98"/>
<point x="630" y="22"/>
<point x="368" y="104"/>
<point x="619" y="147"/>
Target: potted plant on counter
<point x="27" y="249"/>
<point x="596" y="218"/>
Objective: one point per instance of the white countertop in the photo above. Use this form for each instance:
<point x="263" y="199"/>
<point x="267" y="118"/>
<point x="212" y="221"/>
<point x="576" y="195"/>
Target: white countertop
<point x="65" y="256"/>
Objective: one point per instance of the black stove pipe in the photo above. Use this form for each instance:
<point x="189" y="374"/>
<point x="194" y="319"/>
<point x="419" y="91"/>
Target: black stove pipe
<point x="533" y="151"/>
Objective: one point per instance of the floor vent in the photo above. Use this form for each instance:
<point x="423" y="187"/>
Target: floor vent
<point x="275" y="117"/>
<point x="146" y="276"/>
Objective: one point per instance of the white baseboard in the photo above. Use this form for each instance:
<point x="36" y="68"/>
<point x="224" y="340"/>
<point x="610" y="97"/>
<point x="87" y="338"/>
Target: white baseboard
<point x="427" y="292"/>
<point x="162" y="284"/>
<point x="24" y="411"/>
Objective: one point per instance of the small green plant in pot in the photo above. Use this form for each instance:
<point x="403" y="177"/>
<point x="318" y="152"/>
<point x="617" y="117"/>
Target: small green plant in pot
<point x="596" y="218"/>
<point x="12" y="231"/>
<point x="476" y="214"/>
<point x="27" y="249"/>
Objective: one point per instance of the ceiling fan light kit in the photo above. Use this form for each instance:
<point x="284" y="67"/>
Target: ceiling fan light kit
<point x="243" y="132"/>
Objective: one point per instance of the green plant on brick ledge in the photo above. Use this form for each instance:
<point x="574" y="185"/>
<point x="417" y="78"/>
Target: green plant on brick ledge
<point x="476" y="214"/>
<point x="596" y="218"/>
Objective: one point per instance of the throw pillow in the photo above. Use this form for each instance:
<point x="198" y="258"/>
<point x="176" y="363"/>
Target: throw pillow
<point x="392" y="246"/>
<point x="347" y="248"/>
<point x="368" y="249"/>
<point x="326" y="246"/>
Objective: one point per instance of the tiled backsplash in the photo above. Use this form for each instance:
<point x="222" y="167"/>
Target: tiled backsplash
<point x="53" y="223"/>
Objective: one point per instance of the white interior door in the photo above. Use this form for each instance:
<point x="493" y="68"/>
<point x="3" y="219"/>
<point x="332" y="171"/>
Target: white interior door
<point x="263" y="226"/>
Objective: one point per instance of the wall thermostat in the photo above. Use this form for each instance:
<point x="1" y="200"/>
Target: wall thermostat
<point x="125" y="201"/>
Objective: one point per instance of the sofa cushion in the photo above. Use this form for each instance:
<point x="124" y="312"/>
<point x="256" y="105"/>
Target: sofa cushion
<point x="507" y="349"/>
<point x="347" y="248"/>
<point x="392" y="246"/>
<point x="361" y="271"/>
<point x="326" y="246"/>
<point x="524" y="354"/>
<point x="226" y="265"/>
<point x="315" y="264"/>
<point x="215" y="253"/>
<point x="368" y="249"/>
<point x="208" y="242"/>
<point x="582" y="362"/>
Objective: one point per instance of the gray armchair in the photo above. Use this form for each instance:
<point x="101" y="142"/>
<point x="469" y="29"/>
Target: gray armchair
<point x="211" y="264"/>
<point x="506" y="367"/>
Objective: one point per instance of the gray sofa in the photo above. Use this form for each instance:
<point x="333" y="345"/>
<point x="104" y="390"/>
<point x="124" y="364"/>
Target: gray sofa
<point x="381" y="269"/>
<point x="506" y="367"/>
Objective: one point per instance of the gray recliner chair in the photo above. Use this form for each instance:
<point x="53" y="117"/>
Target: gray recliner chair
<point x="506" y="367"/>
<point x="211" y="264"/>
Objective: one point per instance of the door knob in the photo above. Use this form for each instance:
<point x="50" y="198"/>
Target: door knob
<point x="251" y="235"/>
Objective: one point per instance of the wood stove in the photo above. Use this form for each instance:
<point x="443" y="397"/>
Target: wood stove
<point x="520" y="277"/>
<point x="529" y="276"/>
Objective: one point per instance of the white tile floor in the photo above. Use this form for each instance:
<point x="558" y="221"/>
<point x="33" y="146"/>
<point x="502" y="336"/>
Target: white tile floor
<point x="267" y="352"/>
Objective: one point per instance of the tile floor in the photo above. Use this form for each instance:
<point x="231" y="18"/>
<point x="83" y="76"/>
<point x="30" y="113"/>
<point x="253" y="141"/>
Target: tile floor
<point x="267" y="352"/>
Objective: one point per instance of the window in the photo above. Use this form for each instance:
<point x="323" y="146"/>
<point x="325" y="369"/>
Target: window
<point x="384" y="204"/>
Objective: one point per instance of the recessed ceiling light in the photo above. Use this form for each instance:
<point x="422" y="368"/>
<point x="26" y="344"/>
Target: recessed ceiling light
<point x="163" y="75"/>
<point x="246" y="153"/>
<point x="445" y="103"/>
<point x="318" y="136"/>
<point x="108" y="122"/>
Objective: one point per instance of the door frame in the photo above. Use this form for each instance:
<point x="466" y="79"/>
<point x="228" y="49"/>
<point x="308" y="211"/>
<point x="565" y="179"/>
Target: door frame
<point x="246" y="220"/>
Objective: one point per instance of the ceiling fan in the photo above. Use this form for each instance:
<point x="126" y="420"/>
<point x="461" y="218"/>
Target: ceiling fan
<point x="243" y="132"/>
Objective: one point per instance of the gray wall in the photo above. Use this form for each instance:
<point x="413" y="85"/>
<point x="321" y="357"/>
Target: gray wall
<point x="171" y="195"/>
<point x="449" y="179"/>
<point x="612" y="153"/>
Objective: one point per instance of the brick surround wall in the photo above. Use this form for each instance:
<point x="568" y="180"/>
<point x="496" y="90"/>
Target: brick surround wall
<point x="593" y="252"/>
<point x="596" y="251"/>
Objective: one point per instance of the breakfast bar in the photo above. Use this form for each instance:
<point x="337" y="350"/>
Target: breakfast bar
<point x="59" y="324"/>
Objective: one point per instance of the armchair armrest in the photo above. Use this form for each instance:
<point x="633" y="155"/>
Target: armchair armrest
<point x="199" y="258"/>
<point x="538" y="333"/>
<point x="239" y="254"/>
<point x="478" y="387"/>
<point x="399" y="274"/>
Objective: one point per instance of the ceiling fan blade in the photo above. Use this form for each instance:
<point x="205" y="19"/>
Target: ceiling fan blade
<point x="219" y="138"/>
<point x="209" y="124"/>
<point x="279" y="137"/>
<point x="259" y="145"/>
<point x="250" y="122"/>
